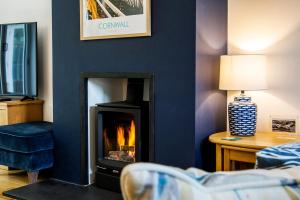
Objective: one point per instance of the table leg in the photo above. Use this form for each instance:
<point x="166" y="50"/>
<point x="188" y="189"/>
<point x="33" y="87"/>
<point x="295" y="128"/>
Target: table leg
<point x="32" y="177"/>
<point x="219" y="157"/>
<point x="233" y="165"/>
<point x="226" y="160"/>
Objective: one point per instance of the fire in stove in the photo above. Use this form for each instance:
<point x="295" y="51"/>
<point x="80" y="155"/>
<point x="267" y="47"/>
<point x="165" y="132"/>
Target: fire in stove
<point x="121" y="147"/>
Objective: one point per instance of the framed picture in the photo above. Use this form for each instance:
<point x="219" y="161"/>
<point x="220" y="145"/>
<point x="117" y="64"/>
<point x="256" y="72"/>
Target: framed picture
<point x="288" y="124"/>
<point x="103" y="19"/>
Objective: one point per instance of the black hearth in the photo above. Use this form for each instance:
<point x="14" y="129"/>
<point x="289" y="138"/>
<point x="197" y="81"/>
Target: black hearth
<point x="122" y="135"/>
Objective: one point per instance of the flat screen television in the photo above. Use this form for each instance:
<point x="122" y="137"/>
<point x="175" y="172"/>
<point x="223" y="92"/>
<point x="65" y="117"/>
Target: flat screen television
<point x="18" y="60"/>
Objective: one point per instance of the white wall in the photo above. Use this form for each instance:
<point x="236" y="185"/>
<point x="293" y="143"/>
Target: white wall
<point x="270" y="27"/>
<point x="13" y="11"/>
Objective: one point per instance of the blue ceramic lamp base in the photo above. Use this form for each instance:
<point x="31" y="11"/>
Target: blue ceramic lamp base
<point x="242" y="116"/>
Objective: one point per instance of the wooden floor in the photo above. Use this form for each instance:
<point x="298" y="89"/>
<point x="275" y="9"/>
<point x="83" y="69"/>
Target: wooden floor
<point x="10" y="180"/>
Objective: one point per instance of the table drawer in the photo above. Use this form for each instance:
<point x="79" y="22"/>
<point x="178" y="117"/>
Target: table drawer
<point x="242" y="156"/>
<point x="232" y="153"/>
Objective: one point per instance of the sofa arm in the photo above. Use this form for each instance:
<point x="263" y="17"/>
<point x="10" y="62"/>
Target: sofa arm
<point x="144" y="181"/>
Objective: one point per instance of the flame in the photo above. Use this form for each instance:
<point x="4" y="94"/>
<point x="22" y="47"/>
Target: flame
<point x="126" y="142"/>
<point x="131" y="140"/>
<point x="107" y="143"/>
<point x="120" y="136"/>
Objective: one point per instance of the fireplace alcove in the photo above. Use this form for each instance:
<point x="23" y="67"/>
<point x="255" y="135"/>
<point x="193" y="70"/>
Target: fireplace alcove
<point x="118" y="132"/>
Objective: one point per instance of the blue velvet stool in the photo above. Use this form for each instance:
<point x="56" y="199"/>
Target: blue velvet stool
<point x="27" y="146"/>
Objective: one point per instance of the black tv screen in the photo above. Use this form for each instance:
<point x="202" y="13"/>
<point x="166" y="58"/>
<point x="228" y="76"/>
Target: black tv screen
<point x="18" y="59"/>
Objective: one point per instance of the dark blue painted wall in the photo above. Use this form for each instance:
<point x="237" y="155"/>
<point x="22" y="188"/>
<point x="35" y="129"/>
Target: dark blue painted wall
<point x="169" y="54"/>
<point x="211" y="41"/>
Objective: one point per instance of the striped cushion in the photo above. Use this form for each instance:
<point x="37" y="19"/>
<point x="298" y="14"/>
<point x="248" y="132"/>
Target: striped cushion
<point x="283" y="156"/>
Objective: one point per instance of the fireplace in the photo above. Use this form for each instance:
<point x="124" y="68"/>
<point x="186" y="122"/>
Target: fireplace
<point x="118" y="135"/>
<point x="122" y="135"/>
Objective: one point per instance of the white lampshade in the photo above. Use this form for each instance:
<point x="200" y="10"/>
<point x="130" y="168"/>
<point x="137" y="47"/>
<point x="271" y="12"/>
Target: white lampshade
<point x="243" y="72"/>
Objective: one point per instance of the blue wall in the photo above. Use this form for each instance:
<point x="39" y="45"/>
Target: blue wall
<point x="211" y="41"/>
<point x="169" y="54"/>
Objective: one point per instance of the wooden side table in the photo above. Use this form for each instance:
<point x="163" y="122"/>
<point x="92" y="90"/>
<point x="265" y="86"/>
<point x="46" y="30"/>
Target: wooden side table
<point x="244" y="150"/>
<point x="16" y="111"/>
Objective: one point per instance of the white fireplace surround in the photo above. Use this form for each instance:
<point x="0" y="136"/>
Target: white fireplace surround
<point x="104" y="90"/>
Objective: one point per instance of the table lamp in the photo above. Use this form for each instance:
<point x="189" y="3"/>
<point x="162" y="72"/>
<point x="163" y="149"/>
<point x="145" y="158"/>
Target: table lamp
<point x="242" y="72"/>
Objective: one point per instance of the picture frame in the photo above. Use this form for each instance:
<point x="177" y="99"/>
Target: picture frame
<point x="284" y="124"/>
<point x="105" y="19"/>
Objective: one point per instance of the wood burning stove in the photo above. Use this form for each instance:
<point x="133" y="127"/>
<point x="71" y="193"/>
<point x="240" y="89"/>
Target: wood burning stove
<point x="122" y="135"/>
<point x="118" y="135"/>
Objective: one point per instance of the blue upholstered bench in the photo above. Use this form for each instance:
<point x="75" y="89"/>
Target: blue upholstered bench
<point x="27" y="146"/>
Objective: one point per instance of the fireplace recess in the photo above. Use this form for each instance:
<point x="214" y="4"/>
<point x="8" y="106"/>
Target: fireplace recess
<point x="122" y="135"/>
